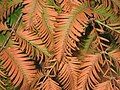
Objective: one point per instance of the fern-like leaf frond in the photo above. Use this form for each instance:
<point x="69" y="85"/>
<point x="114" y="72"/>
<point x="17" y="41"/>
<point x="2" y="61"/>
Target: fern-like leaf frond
<point x="69" y="27"/>
<point x="30" y="43"/>
<point x="19" y="67"/>
<point x="108" y="85"/>
<point x="115" y="4"/>
<point x="104" y="86"/>
<point x="3" y="26"/>
<point x="40" y="18"/>
<point x="68" y="5"/>
<point x="68" y="74"/>
<point x="8" y="7"/>
<point x="115" y="55"/>
<point x="50" y="84"/>
<point x="104" y="12"/>
<point x="2" y="84"/>
<point x="90" y="67"/>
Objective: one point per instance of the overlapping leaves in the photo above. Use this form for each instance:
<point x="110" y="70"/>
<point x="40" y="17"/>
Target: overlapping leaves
<point x="19" y="67"/>
<point x="58" y="27"/>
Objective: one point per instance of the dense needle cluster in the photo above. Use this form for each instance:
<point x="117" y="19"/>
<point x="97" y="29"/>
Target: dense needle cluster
<point x="59" y="45"/>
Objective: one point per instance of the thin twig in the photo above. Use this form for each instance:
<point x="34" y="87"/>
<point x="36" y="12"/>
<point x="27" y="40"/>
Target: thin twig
<point x="107" y="26"/>
<point x="9" y="29"/>
<point x="103" y="24"/>
<point x="47" y="75"/>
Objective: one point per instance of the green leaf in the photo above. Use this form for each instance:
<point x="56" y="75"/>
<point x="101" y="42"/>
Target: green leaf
<point x="106" y="12"/>
<point x="52" y="3"/>
<point x="2" y="39"/>
<point x="11" y="20"/>
<point x="88" y="42"/>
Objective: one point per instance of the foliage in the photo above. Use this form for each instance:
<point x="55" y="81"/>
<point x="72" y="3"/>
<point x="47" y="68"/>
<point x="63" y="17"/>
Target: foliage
<point x="59" y="45"/>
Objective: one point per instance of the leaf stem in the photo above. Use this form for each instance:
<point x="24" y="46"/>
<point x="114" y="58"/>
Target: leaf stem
<point x="103" y="24"/>
<point x="107" y="26"/>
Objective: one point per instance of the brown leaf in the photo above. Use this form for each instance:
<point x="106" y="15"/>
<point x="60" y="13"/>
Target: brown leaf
<point x="40" y="18"/>
<point x="19" y="67"/>
<point x="69" y="27"/>
<point x="104" y="86"/>
<point x="68" y="74"/>
<point x="3" y="27"/>
<point x="50" y="84"/>
<point x="68" y="5"/>
<point x="90" y="68"/>
<point x="30" y="43"/>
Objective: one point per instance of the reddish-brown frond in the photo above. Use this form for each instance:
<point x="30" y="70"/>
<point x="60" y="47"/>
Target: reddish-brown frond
<point x="68" y="74"/>
<point x="90" y="67"/>
<point x="2" y="84"/>
<point x="69" y="27"/>
<point x="115" y="4"/>
<point x="44" y="24"/>
<point x="30" y="43"/>
<point x="20" y="68"/>
<point x="100" y="42"/>
<point x="115" y="55"/>
<point x="2" y="74"/>
<point x="40" y="18"/>
<point x="108" y="85"/>
<point x="68" y="5"/>
<point x="104" y="86"/>
<point x="36" y="83"/>
<point x="3" y="26"/>
<point x="50" y="84"/>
